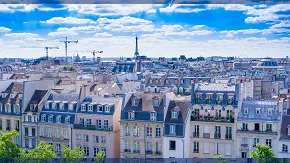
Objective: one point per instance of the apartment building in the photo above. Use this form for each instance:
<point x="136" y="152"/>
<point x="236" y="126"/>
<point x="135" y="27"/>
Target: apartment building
<point x="10" y="109"/>
<point x="213" y="120"/>
<point x="56" y="120"/>
<point x="141" y="124"/>
<point x="284" y="141"/>
<point x="176" y="139"/>
<point x="97" y="126"/>
<point x="258" y="122"/>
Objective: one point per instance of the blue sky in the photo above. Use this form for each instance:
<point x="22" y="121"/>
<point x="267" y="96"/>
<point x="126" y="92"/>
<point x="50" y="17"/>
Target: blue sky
<point x="163" y="30"/>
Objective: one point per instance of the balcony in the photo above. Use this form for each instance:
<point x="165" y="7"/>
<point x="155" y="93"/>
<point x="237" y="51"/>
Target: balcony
<point x="212" y="119"/>
<point x="127" y="150"/>
<point x="245" y="145"/>
<point x="158" y="153"/>
<point x="206" y="135"/>
<point x="217" y="135"/>
<point x="136" y="151"/>
<point x="93" y="127"/>
<point x="127" y="134"/>
<point x="7" y="128"/>
<point x="195" y="134"/>
<point x="228" y="136"/>
<point x="149" y="152"/>
<point x="270" y="132"/>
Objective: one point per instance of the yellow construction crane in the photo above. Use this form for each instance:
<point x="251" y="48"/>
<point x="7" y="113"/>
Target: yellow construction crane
<point x="90" y="51"/>
<point x="45" y="47"/>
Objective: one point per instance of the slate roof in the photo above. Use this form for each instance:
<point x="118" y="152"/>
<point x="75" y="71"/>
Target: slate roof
<point x="145" y="102"/>
<point x="14" y="87"/>
<point x="284" y="127"/>
<point x="215" y="87"/>
<point x="36" y="98"/>
<point x="177" y="105"/>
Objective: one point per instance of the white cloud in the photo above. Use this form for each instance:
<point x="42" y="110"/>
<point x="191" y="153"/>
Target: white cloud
<point x="4" y="29"/>
<point x="62" y="33"/>
<point x="197" y="27"/>
<point x="182" y="8"/>
<point x="151" y="11"/>
<point x="104" y="34"/>
<point x="74" y="30"/>
<point x="68" y="20"/>
<point x="21" y="35"/>
<point x="17" y="7"/>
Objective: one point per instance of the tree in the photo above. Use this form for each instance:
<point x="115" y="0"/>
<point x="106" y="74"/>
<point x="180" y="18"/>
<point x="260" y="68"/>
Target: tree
<point x="100" y="157"/>
<point x="220" y="157"/>
<point x="72" y="156"/>
<point x="8" y="149"/>
<point x="263" y="153"/>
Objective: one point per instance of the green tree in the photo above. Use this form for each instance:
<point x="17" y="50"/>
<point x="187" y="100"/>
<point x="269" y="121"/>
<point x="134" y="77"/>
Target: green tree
<point x="71" y="156"/>
<point x="100" y="157"/>
<point x="8" y="149"/>
<point x="65" y="68"/>
<point x="220" y="157"/>
<point x="263" y="153"/>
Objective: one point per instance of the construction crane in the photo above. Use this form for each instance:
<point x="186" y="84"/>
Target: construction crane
<point x="45" y="47"/>
<point x="91" y="51"/>
<point x="65" y="43"/>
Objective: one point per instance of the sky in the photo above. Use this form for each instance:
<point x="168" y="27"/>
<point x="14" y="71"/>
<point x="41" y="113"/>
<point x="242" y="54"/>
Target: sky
<point x="163" y="30"/>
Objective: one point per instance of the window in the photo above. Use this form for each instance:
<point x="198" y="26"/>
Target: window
<point x="65" y="133"/>
<point x="150" y="81"/>
<point x="257" y="126"/>
<point x="100" y="108"/>
<point x="149" y="131"/>
<point x="206" y="147"/>
<point x="61" y="106"/>
<point x="16" y="108"/>
<point x="103" y="139"/>
<point x="1" y="107"/>
<point x="17" y="125"/>
<point x="127" y="131"/>
<point x="155" y="102"/>
<point x="173" y="114"/>
<point x="107" y="109"/>
<point x="86" y="150"/>
<point x="136" y="131"/>
<point x="86" y="138"/>
<point x="58" y="119"/>
<point x="96" y="139"/>
<point x="137" y="146"/>
<point x="268" y="127"/>
<point x="153" y="116"/>
<point x="245" y="126"/>
<point x="245" y="111"/>
<point x="176" y="81"/>
<point x="256" y="141"/>
<point x="33" y="132"/>
<point x="96" y="150"/>
<point x="258" y="110"/>
<point x="167" y="81"/>
<point x="196" y="131"/>
<point x="0" y="124"/>
<point x="131" y="115"/>
<point x="7" y="108"/>
<point x="57" y="132"/>
<point x="50" y="118"/>
<point x="228" y="133"/>
<point x="106" y="124"/>
<point x="217" y="149"/>
<point x="269" y="142"/>
<point x="127" y="145"/>
<point x="284" y="148"/>
<point x="49" y="132"/>
<point x="90" y="108"/>
<point x="228" y="150"/>
<point x="53" y="105"/>
<point x="26" y="131"/>
<point x="172" y="129"/>
<point x="8" y="125"/>
<point x="29" y="118"/>
<point x="149" y="147"/>
<point x="57" y="147"/>
<point x="89" y="121"/>
<point x="79" y="137"/>
<point x="270" y="110"/>
<point x="47" y="105"/>
<point x="67" y="119"/>
<point x="158" y="132"/>
<point x="195" y="147"/>
<point x="83" y="107"/>
<point x="134" y="102"/>
<point x="172" y="145"/>
<point x="43" y="118"/>
<point x="99" y="123"/>
<point x="71" y="106"/>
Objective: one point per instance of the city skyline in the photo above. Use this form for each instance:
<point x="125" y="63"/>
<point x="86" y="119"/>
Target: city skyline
<point x="162" y="30"/>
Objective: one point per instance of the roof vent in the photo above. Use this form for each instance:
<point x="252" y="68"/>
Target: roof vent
<point x="106" y="95"/>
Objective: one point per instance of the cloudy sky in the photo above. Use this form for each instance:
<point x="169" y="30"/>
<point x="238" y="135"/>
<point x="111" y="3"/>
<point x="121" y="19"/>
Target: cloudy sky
<point x="163" y="30"/>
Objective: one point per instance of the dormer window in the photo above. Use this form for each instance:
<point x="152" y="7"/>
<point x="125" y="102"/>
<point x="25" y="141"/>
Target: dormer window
<point x="134" y="102"/>
<point x="156" y="81"/>
<point x="53" y="105"/>
<point x="83" y="107"/>
<point x="16" y="108"/>
<point x="47" y="105"/>
<point x="131" y="116"/>
<point x="91" y="108"/>
<point x="153" y="116"/>
<point x="50" y="119"/>
<point x="173" y="114"/>
<point x="150" y="81"/>
<point x="67" y="119"/>
<point x="270" y="111"/>
<point x="246" y="111"/>
<point x="107" y="109"/>
<point x="100" y="108"/>
<point x="167" y="81"/>
<point x="155" y="102"/>
<point x="172" y="129"/>
<point x="1" y="105"/>
<point x="182" y="81"/>
<point x="4" y="95"/>
<point x="230" y="99"/>
<point x="258" y="111"/>
<point x="43" y="118"/>
<point x="71" y="106"/>
<point x="12" y="95"/>
<point x="58" y="119"/>
<point x="61" y="106"/>
<point x="176" y="81"/>
<point x="7" y="108"/>
<point x="20" y="96"/>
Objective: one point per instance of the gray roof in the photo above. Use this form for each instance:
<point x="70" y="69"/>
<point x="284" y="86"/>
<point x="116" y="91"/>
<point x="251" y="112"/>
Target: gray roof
<point x="180" y="106"/>
<point x="284" y="127"/>
<point x="63" y="97"/>
<point x="252" y="105"/>
<point x="215" y="87"/>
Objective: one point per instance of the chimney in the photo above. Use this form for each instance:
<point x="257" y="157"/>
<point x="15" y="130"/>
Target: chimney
<point x="84" y="92"/>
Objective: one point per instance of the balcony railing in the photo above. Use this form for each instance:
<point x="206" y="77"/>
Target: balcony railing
<point x="195" y="134"/>
<point x="217" y="135"/>
<point x="245" y="145"/>
<point x="257" y="131"/>
<point x="212" y="119"/>
<point x="206" y="135"/>
<point x="228" y="136"/>
<point x="93" y="127"/>
<point x="127" y="150"/>
<point x="149" y="152"/>
<point x="136" y="151"/>
<point x="158" y="153"/>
